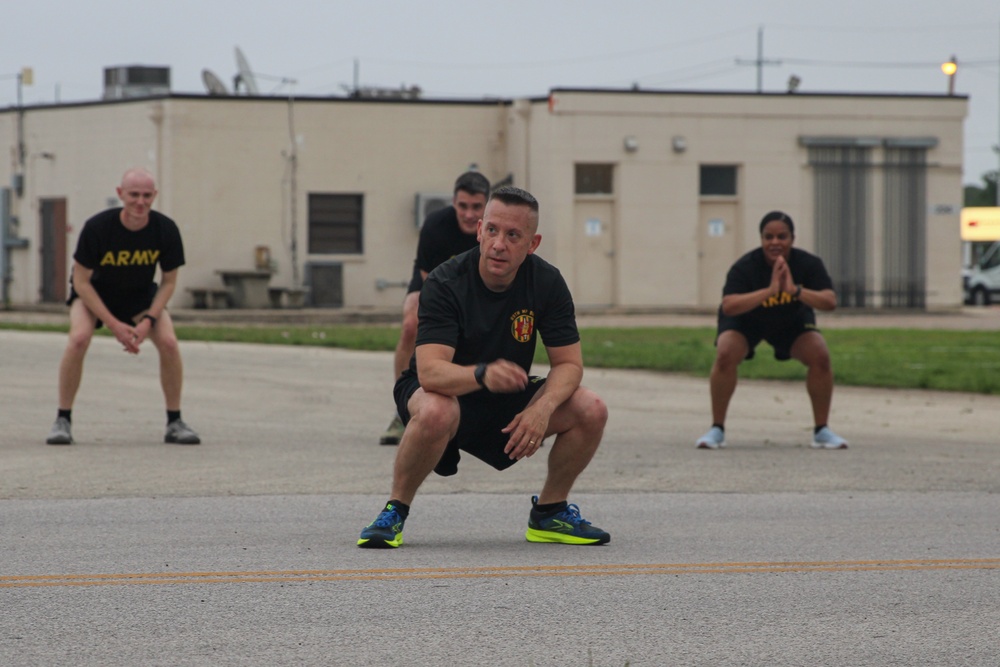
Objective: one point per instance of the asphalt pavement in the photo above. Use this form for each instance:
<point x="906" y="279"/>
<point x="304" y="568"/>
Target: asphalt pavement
<point x="122" y="550"/>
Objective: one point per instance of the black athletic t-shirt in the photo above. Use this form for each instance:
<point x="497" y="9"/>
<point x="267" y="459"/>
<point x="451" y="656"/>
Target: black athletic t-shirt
<point x="124" y="261"/>
<point x="458" y="310"/>
<point x="751" y="272"/>
<point x="441" y="239"/>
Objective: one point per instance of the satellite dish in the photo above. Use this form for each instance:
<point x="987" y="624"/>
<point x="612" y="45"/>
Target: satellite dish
<point x="245" y="74"/>
<point x="213" y="83"/>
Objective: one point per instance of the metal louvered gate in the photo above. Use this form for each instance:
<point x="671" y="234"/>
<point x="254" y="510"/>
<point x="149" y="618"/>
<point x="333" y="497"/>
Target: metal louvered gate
<point x="904" y="245"/>
<point x="842" y="209"/>
<point x="844" y="217"/>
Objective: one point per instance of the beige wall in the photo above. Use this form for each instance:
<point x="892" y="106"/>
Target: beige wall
<point x="657" y="202"/>
<point x="74" y="152"/>
<point x="223" y="175"/>
<point x="223" y="171"/>
<point x="230" y="159"/>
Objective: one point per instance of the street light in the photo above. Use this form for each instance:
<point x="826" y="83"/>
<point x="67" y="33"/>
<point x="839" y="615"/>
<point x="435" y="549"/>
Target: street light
<point x="949" y="68"/>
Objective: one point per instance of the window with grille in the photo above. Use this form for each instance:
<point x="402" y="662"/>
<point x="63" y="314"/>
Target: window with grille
<point x="336" y="224"/>
<point x="594" y="179"/>
<point x="718" y="180"/>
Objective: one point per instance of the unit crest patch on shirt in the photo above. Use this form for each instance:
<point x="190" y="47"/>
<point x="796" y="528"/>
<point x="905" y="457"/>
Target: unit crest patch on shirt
<point x="522" y="325"/>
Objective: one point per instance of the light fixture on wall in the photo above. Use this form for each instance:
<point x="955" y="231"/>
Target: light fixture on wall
<point x="631" y="144"/>
<point x="679" y="144"/>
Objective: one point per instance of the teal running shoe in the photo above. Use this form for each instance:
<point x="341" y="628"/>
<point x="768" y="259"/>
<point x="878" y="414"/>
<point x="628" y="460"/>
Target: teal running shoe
<point x="563" y="527"/>
<point x="385" y="532"/>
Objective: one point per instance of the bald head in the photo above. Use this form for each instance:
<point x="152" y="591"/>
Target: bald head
<point x="138" y="176"/>
<point x="137" y="192"/>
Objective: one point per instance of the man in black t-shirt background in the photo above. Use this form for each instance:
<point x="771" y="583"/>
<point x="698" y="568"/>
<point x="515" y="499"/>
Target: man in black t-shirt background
<point x="468" y="387"/>
<point x="769" y="295"/>
<point x="445" y="233"/>
<point x="112" y="285"/>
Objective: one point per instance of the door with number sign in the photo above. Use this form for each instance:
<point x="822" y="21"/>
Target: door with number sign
<point x="718" y="237"/>
<point x="595" y="254"/>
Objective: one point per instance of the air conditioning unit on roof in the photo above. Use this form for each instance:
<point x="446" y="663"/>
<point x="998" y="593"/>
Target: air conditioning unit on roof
<point x="131" y="81"/>
<point x="426" y="203"/>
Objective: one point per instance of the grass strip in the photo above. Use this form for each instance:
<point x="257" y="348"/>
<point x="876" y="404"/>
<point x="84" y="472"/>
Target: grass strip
<point x="965" y="361"/>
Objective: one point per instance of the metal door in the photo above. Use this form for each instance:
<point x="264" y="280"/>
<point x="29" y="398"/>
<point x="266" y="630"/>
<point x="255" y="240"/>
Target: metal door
<point x="54" y="258"/>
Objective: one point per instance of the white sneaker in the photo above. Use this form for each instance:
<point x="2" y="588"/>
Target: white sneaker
<point x="827" y="439"/>
<point x="61" y="433"/>
<point x="714" y="439"/>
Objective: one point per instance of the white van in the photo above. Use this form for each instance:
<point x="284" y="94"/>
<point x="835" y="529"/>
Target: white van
<point x="982" y="283"/>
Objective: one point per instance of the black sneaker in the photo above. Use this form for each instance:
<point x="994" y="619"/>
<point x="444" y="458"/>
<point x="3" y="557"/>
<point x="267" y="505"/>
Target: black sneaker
<point x="385" y="532"/>
<point x="565" y="526"/>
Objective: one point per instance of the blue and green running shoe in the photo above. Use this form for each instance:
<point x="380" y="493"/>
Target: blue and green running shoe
<point x="385" y="532"/>
<point x="563" y="527"/>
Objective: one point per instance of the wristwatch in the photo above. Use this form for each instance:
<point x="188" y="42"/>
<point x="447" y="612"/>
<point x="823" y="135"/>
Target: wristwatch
<point x="480" y="375"/>
<point x="798" y="291"/>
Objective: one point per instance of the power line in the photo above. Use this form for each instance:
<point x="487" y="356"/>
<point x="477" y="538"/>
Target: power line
<point x="895" y="29"/>
<point x="885" y="64"/>
<point x="591" y="57"/>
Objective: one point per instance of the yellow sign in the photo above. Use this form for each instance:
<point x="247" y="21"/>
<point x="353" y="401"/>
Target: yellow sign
<point x="981" y="223"/>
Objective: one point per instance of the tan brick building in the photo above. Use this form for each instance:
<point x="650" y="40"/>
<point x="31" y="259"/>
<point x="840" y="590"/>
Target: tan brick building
<point x="647" y="197"/>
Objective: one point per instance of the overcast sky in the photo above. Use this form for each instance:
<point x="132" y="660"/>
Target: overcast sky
<point x="456" y="49"/>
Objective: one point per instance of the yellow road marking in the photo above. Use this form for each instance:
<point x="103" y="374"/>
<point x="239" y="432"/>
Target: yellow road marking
<point x="285" y="576"/>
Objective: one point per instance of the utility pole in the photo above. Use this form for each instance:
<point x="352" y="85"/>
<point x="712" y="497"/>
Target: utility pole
<point x="760" y="61"/>
<point x="293" y="194"/>
<point x="7" y="239"/>
<point x="24" y="78"/>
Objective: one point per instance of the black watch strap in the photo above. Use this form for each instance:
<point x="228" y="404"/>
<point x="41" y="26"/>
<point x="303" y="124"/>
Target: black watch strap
<point x="149" y="317"/>
<point x="480" y="375"/>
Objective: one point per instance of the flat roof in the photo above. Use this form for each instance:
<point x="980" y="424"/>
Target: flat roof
<point x="481" y="101"/>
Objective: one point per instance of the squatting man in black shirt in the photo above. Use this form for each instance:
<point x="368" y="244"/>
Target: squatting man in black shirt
<point x="468" y="387"/>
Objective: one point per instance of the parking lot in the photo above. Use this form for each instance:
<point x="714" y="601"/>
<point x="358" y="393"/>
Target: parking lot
<point x="120" y="550"/>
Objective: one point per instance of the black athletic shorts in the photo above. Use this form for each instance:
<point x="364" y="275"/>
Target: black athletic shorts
<point x="124" y="307"/>
<point x="781" y="339"/>
<point x="416" y="280"/>
<point x="483" y="414"/>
